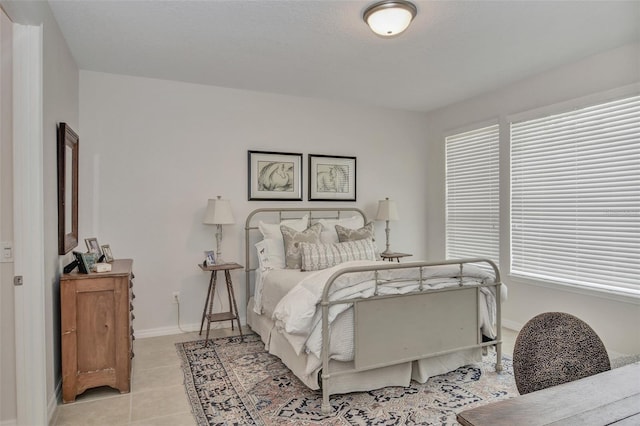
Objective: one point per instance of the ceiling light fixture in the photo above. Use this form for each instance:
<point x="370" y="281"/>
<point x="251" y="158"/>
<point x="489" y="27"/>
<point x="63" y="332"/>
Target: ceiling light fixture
<point x="390" y="17"/>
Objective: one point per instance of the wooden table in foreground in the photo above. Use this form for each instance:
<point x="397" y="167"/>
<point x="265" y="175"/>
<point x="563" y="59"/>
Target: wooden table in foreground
<point x="612" y="397"/>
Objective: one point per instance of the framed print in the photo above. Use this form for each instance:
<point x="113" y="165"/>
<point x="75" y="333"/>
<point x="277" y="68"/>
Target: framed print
<point x="93" y="246"/>
<point x="106" y="251"/>
<point x="332" y="178"/>
<point x="275" y="176"/>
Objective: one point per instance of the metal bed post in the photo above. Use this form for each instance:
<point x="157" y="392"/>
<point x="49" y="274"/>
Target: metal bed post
<point x="498" y="282"/>
<point x="326" y="406"/>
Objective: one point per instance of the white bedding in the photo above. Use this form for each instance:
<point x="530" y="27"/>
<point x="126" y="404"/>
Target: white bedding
<point x="297" y="317"/>
<point x="272" y="285"/>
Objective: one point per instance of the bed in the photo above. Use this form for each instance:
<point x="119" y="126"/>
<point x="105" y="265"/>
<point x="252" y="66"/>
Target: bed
<point x="343" y="321"/>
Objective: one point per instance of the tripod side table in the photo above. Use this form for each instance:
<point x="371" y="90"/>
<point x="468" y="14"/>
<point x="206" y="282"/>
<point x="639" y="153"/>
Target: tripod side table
<point x="207" y="312"/>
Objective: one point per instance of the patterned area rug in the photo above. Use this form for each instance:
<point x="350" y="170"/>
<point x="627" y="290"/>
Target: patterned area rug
<point x="231" y="382"/>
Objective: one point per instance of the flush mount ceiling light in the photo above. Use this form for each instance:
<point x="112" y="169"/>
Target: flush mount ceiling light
<point x="390" y="17"/>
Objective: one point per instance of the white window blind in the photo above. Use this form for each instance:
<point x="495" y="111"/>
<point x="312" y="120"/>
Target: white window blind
<point x="472" y="180"/>
<point x="575" y="196"/>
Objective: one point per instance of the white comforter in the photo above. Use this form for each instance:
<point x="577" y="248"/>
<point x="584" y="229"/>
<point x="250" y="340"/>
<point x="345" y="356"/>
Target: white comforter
<point x="296" y="314"/>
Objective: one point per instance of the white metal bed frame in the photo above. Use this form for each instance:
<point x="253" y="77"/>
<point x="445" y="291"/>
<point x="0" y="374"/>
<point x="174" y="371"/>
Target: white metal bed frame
<point x="397" y="320"/>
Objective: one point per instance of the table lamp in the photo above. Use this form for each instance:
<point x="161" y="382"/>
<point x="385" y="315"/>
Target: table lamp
<point x="218" y="213"/>
<point x="387" y="211"/>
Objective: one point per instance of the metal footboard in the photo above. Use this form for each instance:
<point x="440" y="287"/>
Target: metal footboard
<point x="390" y="329"/>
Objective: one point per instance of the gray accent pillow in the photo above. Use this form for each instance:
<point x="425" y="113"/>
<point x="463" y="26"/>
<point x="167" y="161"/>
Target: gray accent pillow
<point x="347" y="234"/>
<point x="292" y="240"/>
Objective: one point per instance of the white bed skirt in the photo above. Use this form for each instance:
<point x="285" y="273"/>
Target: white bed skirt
<point x="396" y="375"/>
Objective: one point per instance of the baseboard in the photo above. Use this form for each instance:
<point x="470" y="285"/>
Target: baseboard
<point x="52" y="406"/>
<point x="184" y="328"/>
<point x="178" y="328"/>
<point x="188" y="328"/>
<point x="512" y="325"/>
<point x="614" y="354"/>
<point x="515" y="326"/>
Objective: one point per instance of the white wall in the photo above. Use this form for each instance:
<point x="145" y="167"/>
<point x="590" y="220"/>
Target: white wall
<point x="616" y="321"/>
<point x="152" y="152"/>
<point x="60" y="103"/>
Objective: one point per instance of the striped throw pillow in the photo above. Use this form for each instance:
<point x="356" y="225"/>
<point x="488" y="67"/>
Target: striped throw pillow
<point x="322" y="256"/>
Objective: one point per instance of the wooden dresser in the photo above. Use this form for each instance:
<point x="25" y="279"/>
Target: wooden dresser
<point x="97" y="332"/>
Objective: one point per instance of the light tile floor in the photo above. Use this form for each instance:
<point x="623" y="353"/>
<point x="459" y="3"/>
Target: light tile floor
<point x="157" y="394"/>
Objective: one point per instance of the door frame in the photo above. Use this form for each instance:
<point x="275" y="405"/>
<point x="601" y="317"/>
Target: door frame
<point x="28" y="210"/>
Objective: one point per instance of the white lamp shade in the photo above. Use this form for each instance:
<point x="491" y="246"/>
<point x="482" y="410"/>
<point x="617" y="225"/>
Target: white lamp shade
<point x="387" y="210"/>
<point x="218" y="212"/>
<point x="390" y="18"/>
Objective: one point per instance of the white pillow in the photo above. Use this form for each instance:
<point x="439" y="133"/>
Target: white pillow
<point x="329" y="234"/>
<point x="272" y="230"/>
<point x="263" y="255"/>
<point x="272" y="246"/>
<point x="322" y="256"/>
<point x="271" y="254"/>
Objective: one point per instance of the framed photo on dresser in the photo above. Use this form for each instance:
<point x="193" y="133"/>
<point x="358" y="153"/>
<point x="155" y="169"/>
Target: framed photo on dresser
<point x="93" y="246"/>
<point x="83" y="263"/>
<point x="106" y="251"/>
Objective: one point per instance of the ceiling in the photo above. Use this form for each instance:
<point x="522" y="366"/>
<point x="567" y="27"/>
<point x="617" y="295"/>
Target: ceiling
<point x="322" y="48"/>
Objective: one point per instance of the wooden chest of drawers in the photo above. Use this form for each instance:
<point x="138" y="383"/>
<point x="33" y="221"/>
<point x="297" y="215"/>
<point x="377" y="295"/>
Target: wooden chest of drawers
<point x="97" y="332"/>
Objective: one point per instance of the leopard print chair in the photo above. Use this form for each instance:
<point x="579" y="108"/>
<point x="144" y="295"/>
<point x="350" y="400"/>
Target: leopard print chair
<point x="555" y="348"/>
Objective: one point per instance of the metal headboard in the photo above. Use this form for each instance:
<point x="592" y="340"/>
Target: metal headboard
<point x="276" y="215"/>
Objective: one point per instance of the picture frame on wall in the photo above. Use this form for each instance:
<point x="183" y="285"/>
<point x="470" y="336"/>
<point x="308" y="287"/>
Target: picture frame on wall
<point x="274" y="176"/>
<point x="68" y="164"/>
<point x="332" y="178"/>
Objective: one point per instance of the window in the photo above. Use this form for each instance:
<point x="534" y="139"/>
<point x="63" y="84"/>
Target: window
<point x="575" y="196"/>
<point x="472" y="180"/>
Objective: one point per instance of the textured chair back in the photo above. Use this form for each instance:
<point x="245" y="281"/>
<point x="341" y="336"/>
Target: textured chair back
<point x="555" y="348"/>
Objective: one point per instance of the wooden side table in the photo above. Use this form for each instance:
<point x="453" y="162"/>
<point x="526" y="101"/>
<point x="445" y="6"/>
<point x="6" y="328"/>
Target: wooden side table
<point x="396" y="256"/>
<point x="232" y="314"/>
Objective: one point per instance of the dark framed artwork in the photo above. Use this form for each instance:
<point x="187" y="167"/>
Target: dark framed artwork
<point x="332" y="178"/>
<point x="275" y="176"/>
<point x="68" y="142"/>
